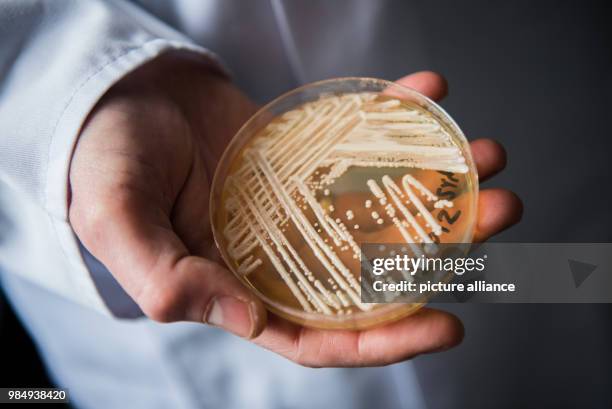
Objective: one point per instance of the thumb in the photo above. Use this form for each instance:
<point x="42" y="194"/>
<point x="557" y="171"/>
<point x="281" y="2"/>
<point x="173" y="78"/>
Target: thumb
<point x="136" y="242"/>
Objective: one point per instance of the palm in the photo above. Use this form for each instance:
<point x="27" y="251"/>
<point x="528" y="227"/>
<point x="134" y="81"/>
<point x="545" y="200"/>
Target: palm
<point x="147" y="165"/>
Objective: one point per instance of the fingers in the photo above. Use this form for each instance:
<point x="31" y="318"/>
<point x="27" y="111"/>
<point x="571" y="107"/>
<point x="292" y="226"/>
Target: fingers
<point x="489" y="157"/>
<point x="136" y="242"/>
<point x="426" y="331"/>
<point x="428" y="83"/>
<point x="498" y="209"/>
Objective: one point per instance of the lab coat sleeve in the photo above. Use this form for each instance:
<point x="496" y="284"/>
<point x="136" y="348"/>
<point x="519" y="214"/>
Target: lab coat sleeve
<point x="57" y="58"/>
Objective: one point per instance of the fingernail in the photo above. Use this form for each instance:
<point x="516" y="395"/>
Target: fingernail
<point x="231" y="314"/>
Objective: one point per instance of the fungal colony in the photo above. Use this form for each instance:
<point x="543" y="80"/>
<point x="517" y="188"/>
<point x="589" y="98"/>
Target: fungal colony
<point x="320" y="179"/>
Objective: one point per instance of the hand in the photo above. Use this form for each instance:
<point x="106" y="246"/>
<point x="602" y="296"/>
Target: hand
<point x="140" y="180"/>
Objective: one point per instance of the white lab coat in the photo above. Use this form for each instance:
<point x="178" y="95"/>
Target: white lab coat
<point x="57" y="58"/>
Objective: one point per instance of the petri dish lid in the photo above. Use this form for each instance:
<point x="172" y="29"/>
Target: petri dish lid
<point x="326" y="168"/>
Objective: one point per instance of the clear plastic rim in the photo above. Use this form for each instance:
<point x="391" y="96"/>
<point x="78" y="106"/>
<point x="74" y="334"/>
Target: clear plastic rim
<point x="358" y="320"/>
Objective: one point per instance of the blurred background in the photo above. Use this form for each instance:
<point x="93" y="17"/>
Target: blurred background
<point x="536" y="76"/>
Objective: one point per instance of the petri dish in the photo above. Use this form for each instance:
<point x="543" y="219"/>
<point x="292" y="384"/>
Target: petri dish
<point x="325" y="168"/>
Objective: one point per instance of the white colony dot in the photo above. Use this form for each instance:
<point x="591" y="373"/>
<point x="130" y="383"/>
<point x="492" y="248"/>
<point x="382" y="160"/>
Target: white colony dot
<point x="375" y="215"/>
<point x="368" y="204"/>
<point x="443" y="203"/>
<point x="349" y="215"/>
<point x="331" y="208"/>
<point x="380" y="221"/>
<point x="326" y="192"/>
<point x="390" y="210"/>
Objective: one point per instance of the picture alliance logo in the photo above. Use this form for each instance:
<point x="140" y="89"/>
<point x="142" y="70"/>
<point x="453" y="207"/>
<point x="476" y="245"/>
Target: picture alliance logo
<point x="412" y="265"/>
